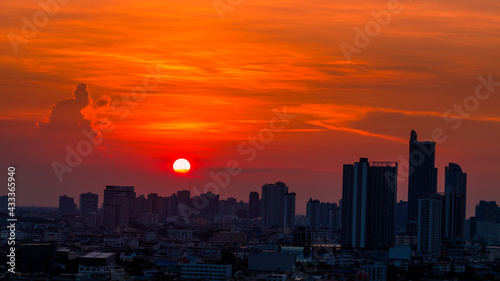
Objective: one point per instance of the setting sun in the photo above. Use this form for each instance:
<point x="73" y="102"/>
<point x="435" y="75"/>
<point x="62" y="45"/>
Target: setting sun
<point x="182" y="166"/>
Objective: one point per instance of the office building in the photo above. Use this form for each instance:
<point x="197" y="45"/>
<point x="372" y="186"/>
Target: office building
<point x="118" y="206"/>
<point x="67" y="205"/>
<point x="275" y="203"/>
<point x="368" y="204"/>
<point x="289" y="217"/>
<point x="429" y="224"/>
<point x="254" y="205"/>
<point x="422" y="174"/>
<point x="455" y="185"/>
<point x="88" y="203"/>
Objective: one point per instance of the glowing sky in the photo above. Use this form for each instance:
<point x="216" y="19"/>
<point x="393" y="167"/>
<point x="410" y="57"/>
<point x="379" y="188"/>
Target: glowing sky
<point x="219" y="82"/>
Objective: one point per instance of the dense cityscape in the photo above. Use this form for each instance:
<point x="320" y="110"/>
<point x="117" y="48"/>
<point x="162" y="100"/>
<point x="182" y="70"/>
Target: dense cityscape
<point x="368" y="235"/>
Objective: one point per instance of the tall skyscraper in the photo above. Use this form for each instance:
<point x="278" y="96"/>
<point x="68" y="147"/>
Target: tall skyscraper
<point x="422" y="174"/>
<point x="368" y="204"/>
<point x="254" y="205"/>
<point x="289" y="218"/>
<point x="429" y="224"/>
<point x="88" y="203"/>
<point x="67" y="205"/>
<point x="455" y="187"/>
<point x="273" y="205"/>
<point x="313" y="213"/>
<point x="118" y="206"/>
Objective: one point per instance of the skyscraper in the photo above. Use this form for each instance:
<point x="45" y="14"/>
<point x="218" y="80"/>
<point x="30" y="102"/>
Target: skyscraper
<point x="67" y="205"/>
<point x="455" y="187"/>
<point x="313" y="213"/>
<point x="422" y="174"/>
<point x="289" y="218"/>
<point x="429" y="224"/>
<point x="368" y="204"/>
<point x="88" y="203"/>
<point x="273" y="205"/>
<point x="254" y="205"/>
<point x="118" y="206"/>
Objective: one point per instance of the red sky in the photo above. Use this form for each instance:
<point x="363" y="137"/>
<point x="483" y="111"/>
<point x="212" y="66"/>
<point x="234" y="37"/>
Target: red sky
<point x="221" y="80"/>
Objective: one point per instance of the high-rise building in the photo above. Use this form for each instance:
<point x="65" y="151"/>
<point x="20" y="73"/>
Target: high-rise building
<point x="335" y="217"/>
<point x="323" y="215"/>
<point x="89" y="202"/>
<point x="401" y="215"/>
<point x="488" y="211"/>
<point x="254" y="205"/>
<point x="273" y="205"/>
<point x="289" y="219"/>
<point x="422" y="174"/>
<point x="313" y="213"/>
<point x="455" y="187"/>
<point x="429" y="224"/>
<point x="118" y="206"/>
<point x="67" y="205"/>
<point x="368" y="204"/>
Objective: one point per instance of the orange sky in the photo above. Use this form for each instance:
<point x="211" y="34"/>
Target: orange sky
<point x="220" y="81"/>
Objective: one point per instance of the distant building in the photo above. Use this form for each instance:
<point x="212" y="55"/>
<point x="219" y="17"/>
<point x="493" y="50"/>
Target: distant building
<point x="422" y="174"/>
<point x="323" y="215"/>
<point x="455" y="191"/>
<point x="277" y="205"/>
<point x="67" y="205"/>
<point x="118" y="206"/>
<point x="313" y="213"/>
<point x="37" y="258"/>
<point x="488" y="211"/>
<point x="88" y="203"/>
<point x="368" y="204"/>
<point x="212" y="272"/>
<point x="254" y="205"/>
<point x="429" y="225"/>
<point x="289" y="219"/>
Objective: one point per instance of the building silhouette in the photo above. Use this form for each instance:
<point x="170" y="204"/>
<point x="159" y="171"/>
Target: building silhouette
<point x="488" y="211"/>
<point x="254" y="205"/>
<point x="89" y="202"/>
<point x="118" y="206"/>
<point x="429" y="224"/>
<point x="368" y="204"/>
<point x="289" y="218"/>
<point x="422" y="174"/>
<point x="67" y="205"/>
<point x="455" y="185"/>
<point x="277" y="205"/>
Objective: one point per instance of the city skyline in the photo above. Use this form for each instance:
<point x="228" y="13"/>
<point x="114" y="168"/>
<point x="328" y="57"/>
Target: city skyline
<point x="211" y="84"/>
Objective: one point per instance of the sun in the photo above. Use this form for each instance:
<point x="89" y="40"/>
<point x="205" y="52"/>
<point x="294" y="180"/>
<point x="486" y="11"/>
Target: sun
<point x="182" y="166"/>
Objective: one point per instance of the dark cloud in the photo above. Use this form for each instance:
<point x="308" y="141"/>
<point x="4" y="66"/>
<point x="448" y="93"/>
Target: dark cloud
<point x="66" y="117"/>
